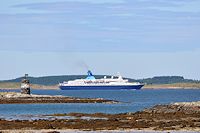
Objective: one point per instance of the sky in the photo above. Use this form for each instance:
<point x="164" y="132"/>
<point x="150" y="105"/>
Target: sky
<point x="138" y="38"/>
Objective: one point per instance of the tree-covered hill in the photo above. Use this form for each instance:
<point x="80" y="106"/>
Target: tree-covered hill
<point x="50" y="80"/>
<point x="53" y="80"/>
<point x="167" y="80"/>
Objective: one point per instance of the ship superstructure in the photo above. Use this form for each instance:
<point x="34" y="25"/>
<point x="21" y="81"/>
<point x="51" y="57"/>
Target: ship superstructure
<point x="91" y="83"/>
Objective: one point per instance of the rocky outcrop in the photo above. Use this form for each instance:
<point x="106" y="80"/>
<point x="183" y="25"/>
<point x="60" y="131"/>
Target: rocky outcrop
<point x="13" y="98"/>
<point x="177" y="116"/>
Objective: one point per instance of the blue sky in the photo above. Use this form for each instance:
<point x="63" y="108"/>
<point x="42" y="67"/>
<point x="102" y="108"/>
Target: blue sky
<point x="138" y="38"/>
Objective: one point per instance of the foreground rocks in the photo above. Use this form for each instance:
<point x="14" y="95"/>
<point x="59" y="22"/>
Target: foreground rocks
<point x="18" y="98"/>
<point x="178" y="116"/>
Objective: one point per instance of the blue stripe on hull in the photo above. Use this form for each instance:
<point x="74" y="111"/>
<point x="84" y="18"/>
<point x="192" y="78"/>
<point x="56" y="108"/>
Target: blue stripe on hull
<point x="130" y="87"/>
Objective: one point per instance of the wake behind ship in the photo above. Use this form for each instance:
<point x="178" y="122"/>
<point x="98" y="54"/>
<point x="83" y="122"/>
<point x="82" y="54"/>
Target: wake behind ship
<point x="91" y="83"/>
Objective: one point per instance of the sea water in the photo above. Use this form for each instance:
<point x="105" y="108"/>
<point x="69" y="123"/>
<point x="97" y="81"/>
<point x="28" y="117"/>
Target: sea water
<point x="130" y="101"/>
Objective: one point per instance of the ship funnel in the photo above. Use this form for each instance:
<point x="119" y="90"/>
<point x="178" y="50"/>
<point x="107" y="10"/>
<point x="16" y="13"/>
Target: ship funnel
<point x="89" y="73"/>
<point x="90" y="76"/>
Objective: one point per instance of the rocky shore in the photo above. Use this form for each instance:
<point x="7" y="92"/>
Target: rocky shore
<point x="177" y="116"/>
<point x="18" y="98"/>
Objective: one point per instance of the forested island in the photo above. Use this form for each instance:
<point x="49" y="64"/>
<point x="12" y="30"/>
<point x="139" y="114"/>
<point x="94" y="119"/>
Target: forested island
<point x="51" y="82"/>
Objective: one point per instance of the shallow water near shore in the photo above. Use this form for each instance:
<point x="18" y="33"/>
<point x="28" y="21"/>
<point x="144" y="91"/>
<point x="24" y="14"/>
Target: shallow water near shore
<point x="131" y="101"/>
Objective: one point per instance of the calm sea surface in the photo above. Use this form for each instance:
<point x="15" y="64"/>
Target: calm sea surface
<point x="132" y="100"/>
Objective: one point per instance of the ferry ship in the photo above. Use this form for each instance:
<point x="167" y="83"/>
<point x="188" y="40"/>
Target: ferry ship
<point x="91" y="83"/>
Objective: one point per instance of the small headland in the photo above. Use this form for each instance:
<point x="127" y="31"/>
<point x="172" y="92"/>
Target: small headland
<point x="176" y="116"/>
<point x="18" y="98"/>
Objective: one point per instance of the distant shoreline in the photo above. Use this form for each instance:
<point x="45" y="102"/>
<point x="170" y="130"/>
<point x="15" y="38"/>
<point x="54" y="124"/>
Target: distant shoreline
<point x="173" y="86"/>
<point x="14" y="86"/>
